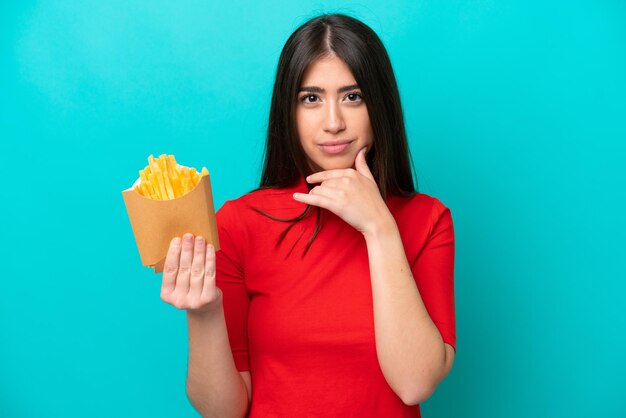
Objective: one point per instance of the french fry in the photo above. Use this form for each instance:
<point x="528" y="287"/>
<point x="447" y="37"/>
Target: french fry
<point x="168" y="187"/>
<point x="187" y="175"/>
<point x="171" y="163"/>
<point x="178" y="192"/>
<point x="154" y="178"/>
<point x="193" y="177"/>
<point x="152" y="164"/>
<point x="163" y="178"/>
<point x="162" y="160"/>
<point x="152" y="194"/>
<point x="143" y="176"/>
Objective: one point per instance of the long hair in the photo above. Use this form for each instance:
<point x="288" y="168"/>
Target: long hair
<point x="365" y="55"/>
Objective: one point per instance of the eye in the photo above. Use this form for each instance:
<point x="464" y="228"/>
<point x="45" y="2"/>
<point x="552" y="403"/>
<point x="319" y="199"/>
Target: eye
<point x="308" y="96"/>
<point x="355" y="97"/>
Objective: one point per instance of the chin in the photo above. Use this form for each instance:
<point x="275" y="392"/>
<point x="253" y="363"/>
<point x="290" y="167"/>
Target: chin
<point x="335" y="164"/>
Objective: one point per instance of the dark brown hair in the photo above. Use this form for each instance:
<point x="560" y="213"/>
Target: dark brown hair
<point x="364" y="53"/>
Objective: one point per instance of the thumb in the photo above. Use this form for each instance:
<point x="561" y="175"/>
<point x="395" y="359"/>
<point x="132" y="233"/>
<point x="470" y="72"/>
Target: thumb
<point x="361" y="164"/>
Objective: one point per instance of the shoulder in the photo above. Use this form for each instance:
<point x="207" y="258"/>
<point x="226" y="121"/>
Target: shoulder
<point x="420" y="218"/>
<point x="419" y="206"/>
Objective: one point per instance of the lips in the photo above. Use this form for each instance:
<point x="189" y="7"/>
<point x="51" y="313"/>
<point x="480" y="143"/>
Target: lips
<point x="335" y="147"/>
<point x="337" y="142"/>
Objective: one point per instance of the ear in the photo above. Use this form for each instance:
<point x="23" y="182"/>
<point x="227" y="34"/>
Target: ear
<point x="361" y="164"/>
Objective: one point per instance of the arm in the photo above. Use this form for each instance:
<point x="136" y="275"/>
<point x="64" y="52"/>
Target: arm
<point x="214" y="386"/>
<point x="218" y="340"/>
<point x="411" y="351"/>
<point x="410" y="347"/>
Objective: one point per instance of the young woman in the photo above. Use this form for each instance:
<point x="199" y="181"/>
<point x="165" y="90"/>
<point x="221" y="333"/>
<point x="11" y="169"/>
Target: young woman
<point x="333" y="292"/>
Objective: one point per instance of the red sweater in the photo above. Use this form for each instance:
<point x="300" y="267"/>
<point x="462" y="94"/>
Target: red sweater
<point x="304" y="327"/>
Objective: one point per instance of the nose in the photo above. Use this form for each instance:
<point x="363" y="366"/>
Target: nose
<point x="334" y="119"/>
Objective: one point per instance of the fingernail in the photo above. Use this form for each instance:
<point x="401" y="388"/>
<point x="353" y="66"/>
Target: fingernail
<point x="188" y="238"/>
<point x="199" y="240"/>
<point x="176" y="241"/>
<point x="210" y="247"/>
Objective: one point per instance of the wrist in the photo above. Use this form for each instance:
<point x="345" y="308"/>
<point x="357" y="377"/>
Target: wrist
<point x="382" y="227"/>
<point x="206" y="314"/>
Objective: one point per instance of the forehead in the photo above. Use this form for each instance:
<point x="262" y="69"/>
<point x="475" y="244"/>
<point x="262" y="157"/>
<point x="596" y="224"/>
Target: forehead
<point x="327" y="71"/>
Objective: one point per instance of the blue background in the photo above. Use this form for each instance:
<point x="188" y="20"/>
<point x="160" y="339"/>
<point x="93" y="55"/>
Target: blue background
<point x="515" y="112"/>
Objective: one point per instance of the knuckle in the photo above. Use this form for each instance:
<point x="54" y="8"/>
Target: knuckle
<point x="170" y="268"/>
<point x="183" y="269"/>
<point x="180" y="302"/>
<point x="207" y="300"/>
<point x="210" y="273"/>
<point x="199" y="303"/>
<point x="197" y="271"/>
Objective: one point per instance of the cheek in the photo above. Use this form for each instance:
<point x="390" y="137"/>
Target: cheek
<point x="306" y="127"/>
<point x="303" y="124"/>
<point x="366" y="128"/>
<point x="370" y="134"/>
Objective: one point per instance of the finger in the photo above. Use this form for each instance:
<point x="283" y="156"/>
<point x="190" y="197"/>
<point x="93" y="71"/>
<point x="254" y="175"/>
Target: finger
<point x="320" y="176"/>
<point x="197" y="266"/>
<point x="330" y="192"/>
<point x="360" y="163"/>
<point x="208" y="288"/>
<point x="315" y="200"/>
<point x="337" y="183"/>
<point x="170" y="269"/>
<point x="184" y="269"/>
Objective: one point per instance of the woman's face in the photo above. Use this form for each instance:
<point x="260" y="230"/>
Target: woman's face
<point x="331" y="116"/>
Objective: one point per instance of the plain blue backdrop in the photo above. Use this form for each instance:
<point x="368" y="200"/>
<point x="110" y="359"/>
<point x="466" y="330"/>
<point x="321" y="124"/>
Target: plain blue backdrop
<point x="515" y="112"/>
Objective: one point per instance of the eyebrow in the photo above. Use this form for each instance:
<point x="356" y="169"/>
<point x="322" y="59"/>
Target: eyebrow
<point x="312" y="89"/>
